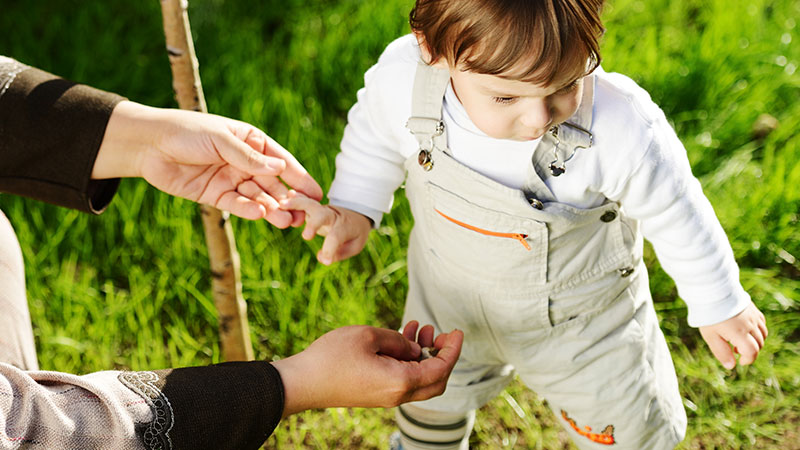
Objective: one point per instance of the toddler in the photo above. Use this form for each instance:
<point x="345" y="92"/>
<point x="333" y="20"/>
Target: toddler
<point x="533" y="176"/>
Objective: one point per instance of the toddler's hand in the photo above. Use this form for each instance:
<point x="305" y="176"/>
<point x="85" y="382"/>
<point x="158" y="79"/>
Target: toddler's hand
<point x="345" y="231"/>
<point x="745" y="331"/>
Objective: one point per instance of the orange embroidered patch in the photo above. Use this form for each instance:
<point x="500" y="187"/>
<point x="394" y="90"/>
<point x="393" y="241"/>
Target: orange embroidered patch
<point x="605" y="438"/>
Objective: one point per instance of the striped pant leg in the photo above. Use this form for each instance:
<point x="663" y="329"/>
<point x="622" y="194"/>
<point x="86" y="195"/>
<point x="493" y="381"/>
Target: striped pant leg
<point x="424" y="429"/>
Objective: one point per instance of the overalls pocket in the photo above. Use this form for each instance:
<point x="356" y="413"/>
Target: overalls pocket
<point x="587" y="244"/>
<point x="487" y="244"/>
<point x="585" y="302"/>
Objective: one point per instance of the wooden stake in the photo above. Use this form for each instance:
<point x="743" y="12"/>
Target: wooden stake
<point x="234" y="331"/>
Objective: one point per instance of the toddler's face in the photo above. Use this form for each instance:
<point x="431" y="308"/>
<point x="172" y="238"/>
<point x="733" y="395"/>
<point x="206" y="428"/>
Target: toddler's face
<point x="516" y="110"/>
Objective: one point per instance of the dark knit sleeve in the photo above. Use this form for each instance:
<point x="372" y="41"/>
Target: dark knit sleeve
<point x="50" y="133"/>
<point x="233" y="405"/>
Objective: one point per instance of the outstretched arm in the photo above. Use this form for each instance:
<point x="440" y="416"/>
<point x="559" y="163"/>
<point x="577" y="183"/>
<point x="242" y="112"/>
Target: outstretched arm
<point x="67" y="144"/>
<point x="191" y="407"/>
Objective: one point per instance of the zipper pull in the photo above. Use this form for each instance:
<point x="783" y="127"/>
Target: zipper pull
<point x="521" y="239"/>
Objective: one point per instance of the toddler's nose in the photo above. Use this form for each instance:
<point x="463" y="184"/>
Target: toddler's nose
<point x="538" y="116"/>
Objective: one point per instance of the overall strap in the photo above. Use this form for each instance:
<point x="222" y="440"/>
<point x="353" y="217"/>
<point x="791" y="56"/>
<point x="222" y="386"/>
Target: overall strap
<point x="563" y="141"/>
<point x="427" y="96"/>
<point x="575" y="131"/>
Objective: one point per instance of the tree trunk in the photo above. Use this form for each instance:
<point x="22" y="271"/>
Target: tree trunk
<point x="234" y="331"/>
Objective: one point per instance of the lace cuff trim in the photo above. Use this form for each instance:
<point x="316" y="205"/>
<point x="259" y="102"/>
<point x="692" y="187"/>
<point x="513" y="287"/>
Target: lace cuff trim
<point x="156" y="433"/>
<point x="9" y="69"/>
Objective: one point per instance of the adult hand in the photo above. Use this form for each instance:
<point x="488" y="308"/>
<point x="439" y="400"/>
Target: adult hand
<point x="362" y="366"/>
<point x="209" y="159"/>
<point x="746" y="332"/>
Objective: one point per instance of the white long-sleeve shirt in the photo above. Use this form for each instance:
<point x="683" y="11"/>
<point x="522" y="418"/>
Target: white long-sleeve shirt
<point x="636" y="159"/>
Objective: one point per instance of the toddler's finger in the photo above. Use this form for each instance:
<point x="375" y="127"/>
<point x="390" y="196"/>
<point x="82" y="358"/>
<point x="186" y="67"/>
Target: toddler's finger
<point x="309" y="231"/>
<point x="758" y="336"/>
<point x="330" y="247"/>
<point x="348" y="249"/>
<point x="298" y="217"/>
<point x="253" y="190"/>
<point x="297" y="202"/>
<point x="721" y="350"/>
<point x="747" y="348"/>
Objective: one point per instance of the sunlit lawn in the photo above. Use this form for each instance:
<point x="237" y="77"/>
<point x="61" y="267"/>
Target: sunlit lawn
<point x="130" y="289"/>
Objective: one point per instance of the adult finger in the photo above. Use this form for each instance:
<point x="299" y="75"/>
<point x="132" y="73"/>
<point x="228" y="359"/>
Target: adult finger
<point x="294" y="174"/>
<point x="253" y="191"/>
<point x="241" y="206"/>
<point x="278" y="218"/>
<point x="272" y="212"/>
<point x="434" y="372"/>
<point x="410" y="330"/>
<point x="395" y="345"/>
<point x="425" y="336"/>
<point x="720" y="349"/>
<point x="273" y="186"/>
<point x="245" y="157"/>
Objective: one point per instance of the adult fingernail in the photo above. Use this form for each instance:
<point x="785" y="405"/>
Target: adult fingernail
<point x="729" y="365"/>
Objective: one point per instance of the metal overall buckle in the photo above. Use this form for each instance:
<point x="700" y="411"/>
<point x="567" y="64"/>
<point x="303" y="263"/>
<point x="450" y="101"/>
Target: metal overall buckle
<point x="424" y="157"/>
<point x="559" y="167"/>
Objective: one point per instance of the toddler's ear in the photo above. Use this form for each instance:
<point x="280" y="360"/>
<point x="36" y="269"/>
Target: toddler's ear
<point x="426" y="52"/>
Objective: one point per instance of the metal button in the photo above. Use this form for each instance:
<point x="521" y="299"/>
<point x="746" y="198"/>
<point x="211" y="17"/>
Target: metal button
<point x="536" y="203"/>
<point x="424" y="160"/>
<point x="608" y="216"/>
<point x="626" y="272"/>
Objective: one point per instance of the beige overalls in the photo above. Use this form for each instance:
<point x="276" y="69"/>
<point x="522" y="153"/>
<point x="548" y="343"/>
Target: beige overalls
<point x="558" y="294"/>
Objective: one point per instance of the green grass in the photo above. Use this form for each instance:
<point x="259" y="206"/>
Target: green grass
<point x="130" y="289"/>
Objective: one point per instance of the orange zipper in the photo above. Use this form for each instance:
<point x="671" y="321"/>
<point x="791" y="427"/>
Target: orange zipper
<point x="518" y="236"/>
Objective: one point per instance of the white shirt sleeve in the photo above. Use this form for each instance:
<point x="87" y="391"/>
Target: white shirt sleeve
<point x="677" y="218"/>
<point x="369" y="167"/>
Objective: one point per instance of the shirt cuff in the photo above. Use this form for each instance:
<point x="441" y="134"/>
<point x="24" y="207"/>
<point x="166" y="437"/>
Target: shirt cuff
<point x="233" y="405"/>
<point x="373" y="215"/>
<point x="705" y="314"/>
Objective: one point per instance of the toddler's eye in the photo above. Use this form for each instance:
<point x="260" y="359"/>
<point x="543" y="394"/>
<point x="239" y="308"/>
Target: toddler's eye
<point x="504" y="100"/>
<point x="569" y="88"/>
